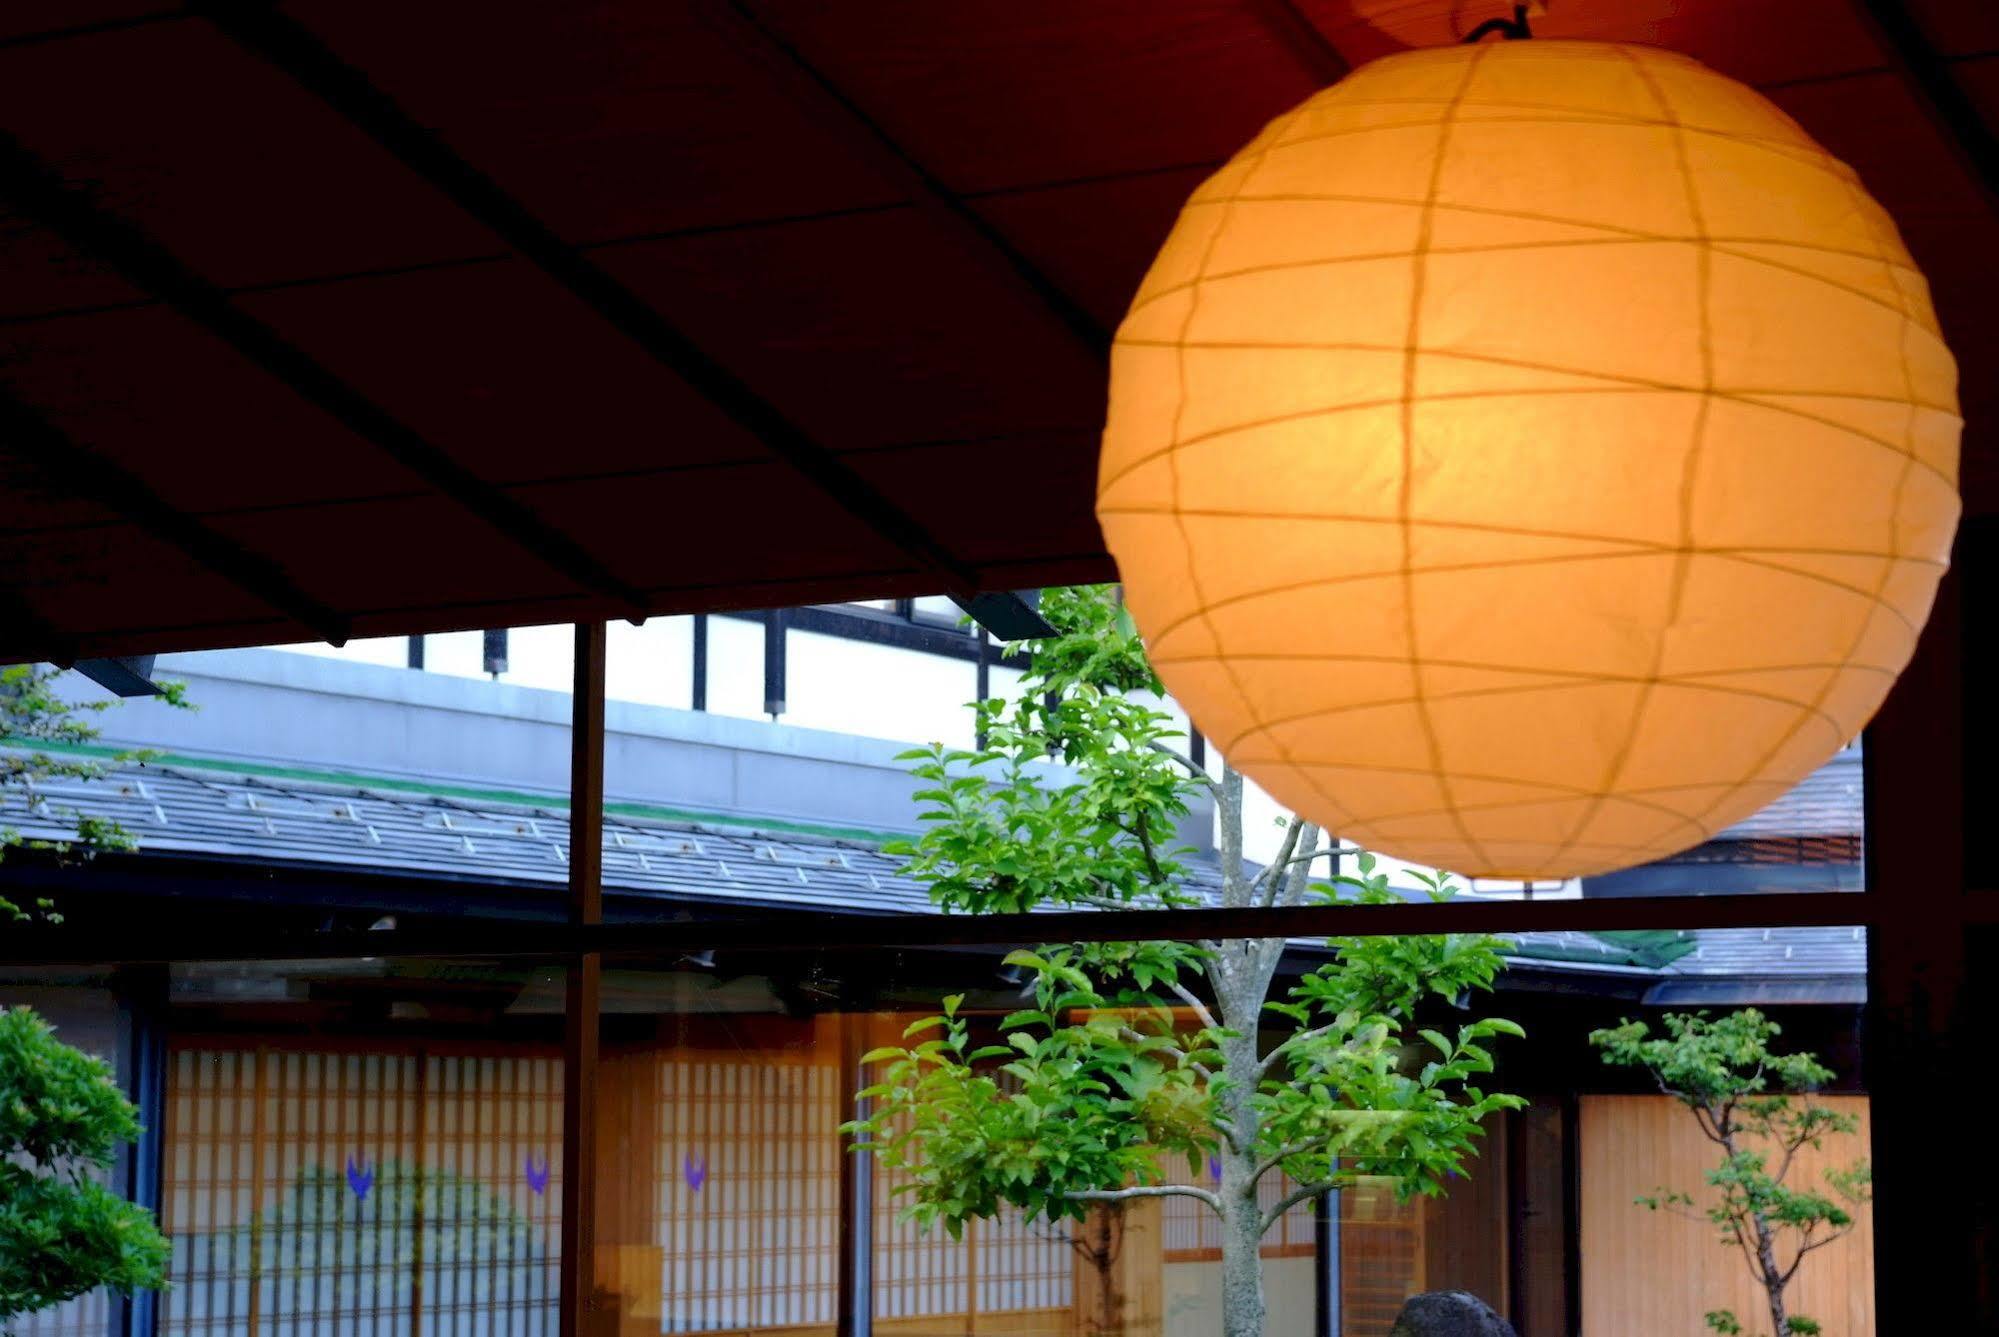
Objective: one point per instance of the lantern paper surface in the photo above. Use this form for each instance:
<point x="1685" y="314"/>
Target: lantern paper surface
<point x="1531" y="458"/>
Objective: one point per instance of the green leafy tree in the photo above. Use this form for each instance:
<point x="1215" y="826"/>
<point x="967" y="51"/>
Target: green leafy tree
<point x="1083" y="1096"/>
<point x="62" y="1232"/>
<point x="40" y="734"/>
<point x="1755" y="1105"/>
<point x="62" y="1117"/>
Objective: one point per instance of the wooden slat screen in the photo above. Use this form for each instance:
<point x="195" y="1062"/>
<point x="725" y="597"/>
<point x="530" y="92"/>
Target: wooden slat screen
<point x="401" y="1191"/>
<point x="1671" y="1270"/>
<point x="1381" y="1257"/>
<point x="748" y="1192"/>
<point x="361" y="1194"/>
<point x="1001" y="1266"/>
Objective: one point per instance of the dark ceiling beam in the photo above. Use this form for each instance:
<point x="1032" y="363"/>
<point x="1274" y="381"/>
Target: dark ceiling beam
<point x="1303" y="39"/>
<point x="832" y="108"/>
<point x="38" y="191"/>
<point x="26" y="637"/>
<point x="89" y="474"/>
<point x="1927" y="74"/>
<point x="295" y="51"/>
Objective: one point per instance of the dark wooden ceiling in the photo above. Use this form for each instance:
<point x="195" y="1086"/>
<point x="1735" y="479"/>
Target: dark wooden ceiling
<point x="348" y="318"/>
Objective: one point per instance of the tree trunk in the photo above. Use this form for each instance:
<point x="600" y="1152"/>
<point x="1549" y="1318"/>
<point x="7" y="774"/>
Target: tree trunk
<point x="1766" y="1268"/>
<point x="1773" y="1279"/>
<point x="1242" y="1263"/>
<point x="1239" y="989"/>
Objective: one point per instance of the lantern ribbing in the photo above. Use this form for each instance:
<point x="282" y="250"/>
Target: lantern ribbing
<point x="1531" y="458"/>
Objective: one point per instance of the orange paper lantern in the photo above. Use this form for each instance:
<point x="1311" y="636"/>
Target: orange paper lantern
<point x="1531" y="458"/>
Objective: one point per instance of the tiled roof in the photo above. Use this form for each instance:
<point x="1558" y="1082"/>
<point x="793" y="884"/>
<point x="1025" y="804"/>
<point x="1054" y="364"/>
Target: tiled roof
<point x="1826" y="803"/>
<point x="177" y="810"/>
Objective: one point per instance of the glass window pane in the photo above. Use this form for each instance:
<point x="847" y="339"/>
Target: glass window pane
<point x="651" y="665"/>
<point x="736" y="667"/>
<point x="941" y="611"/>
<point x="878" y="691"/>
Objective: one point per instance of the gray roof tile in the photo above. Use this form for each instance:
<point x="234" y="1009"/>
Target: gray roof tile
<point x="177" y="810"/>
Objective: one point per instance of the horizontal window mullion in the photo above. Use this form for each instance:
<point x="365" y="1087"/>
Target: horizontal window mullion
<point x="835" y="932"/>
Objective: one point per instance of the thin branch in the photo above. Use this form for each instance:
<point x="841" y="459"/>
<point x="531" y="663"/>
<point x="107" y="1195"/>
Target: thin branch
<point x="1228" y="799"/>
<point x="1806" y="1248"/>
<point x="1301" y="1038"/>
<point x="1143" y="1191"/>
<point x="1139" y="1037"/>
<point x="1295" y="1149"/>
<point x="1198" y="772"/>
<point x="1290" y="1200"/>
<point x="1193" y="1001"/>
<point x="1141" y="831"/>
<point x="1748" y="1255"/>
<point x="1299" y="878"/>
<point x="1273" y="871"/>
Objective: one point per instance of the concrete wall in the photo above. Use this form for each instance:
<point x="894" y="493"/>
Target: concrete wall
<point x="1194" y="1298"/>
<point x="278" y="708"/>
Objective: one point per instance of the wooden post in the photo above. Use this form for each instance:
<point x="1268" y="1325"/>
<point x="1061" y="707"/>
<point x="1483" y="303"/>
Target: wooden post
<point x="1326" y="1265"/>
<point x="629" y="1254"/>
<point x="1928" y="768"/>
<point x="1121" y="1270"/>
<point x="857" y="1211"/>
<point x="582" y="996"/>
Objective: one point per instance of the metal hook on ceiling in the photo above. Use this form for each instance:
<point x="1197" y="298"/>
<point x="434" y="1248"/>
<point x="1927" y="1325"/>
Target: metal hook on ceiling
<point x="1513" y="30"/>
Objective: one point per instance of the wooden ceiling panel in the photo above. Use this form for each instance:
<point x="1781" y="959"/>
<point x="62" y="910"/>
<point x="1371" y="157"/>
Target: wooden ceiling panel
<point x="990" y="94"/>
<point x="31" y="500"/>
<point x="244" y="176"/>
<point x="896" y="231"/>
<point x="106" y="588"/>
<point x="1096" y="238"/>
<point x="1958" y="29"/>
<point x="40" y="274"/>
<point x="609" y="120"/>
<point x="28" y="21"/>
<point x="394" y="552"/>
<point x="187" y="414"/>
<point x="982" y="493"/>
<point x="702" y="528"/>
<point x="870" y="330"/>
<point x="502" y="369"/>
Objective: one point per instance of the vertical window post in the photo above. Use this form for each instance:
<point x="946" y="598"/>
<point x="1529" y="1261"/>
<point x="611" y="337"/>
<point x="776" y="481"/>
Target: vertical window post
<point x="582" y="998"/>
<point x="1326" y="1264"/>
<point x="142" y="1070"/>
<point x="698" y="698"/>
<point x="493" y="652"/>
<point x="856" y="1290"/>
<point x="1928" y="1009"/>
<point x="776" y="625"/>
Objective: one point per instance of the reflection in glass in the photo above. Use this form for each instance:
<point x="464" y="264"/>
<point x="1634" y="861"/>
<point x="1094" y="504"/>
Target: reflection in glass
<point x="379" y="1144"/>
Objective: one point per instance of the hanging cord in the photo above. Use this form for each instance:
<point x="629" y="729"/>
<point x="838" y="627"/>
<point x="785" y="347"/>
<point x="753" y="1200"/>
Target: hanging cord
<point x="1513" y="30"/>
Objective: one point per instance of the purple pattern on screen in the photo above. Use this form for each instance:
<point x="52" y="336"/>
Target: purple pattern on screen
<point x="694" y="1169"/>
<point x="360" y="1177"/>
<point x="1215" y="1168"/>
<point x="537" y="1175"/>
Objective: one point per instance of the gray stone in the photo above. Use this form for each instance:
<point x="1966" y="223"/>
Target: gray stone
<point x="1449" y="1314"/>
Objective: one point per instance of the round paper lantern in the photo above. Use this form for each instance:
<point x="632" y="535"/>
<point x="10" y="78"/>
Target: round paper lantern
<point x="1531" y="458"/>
